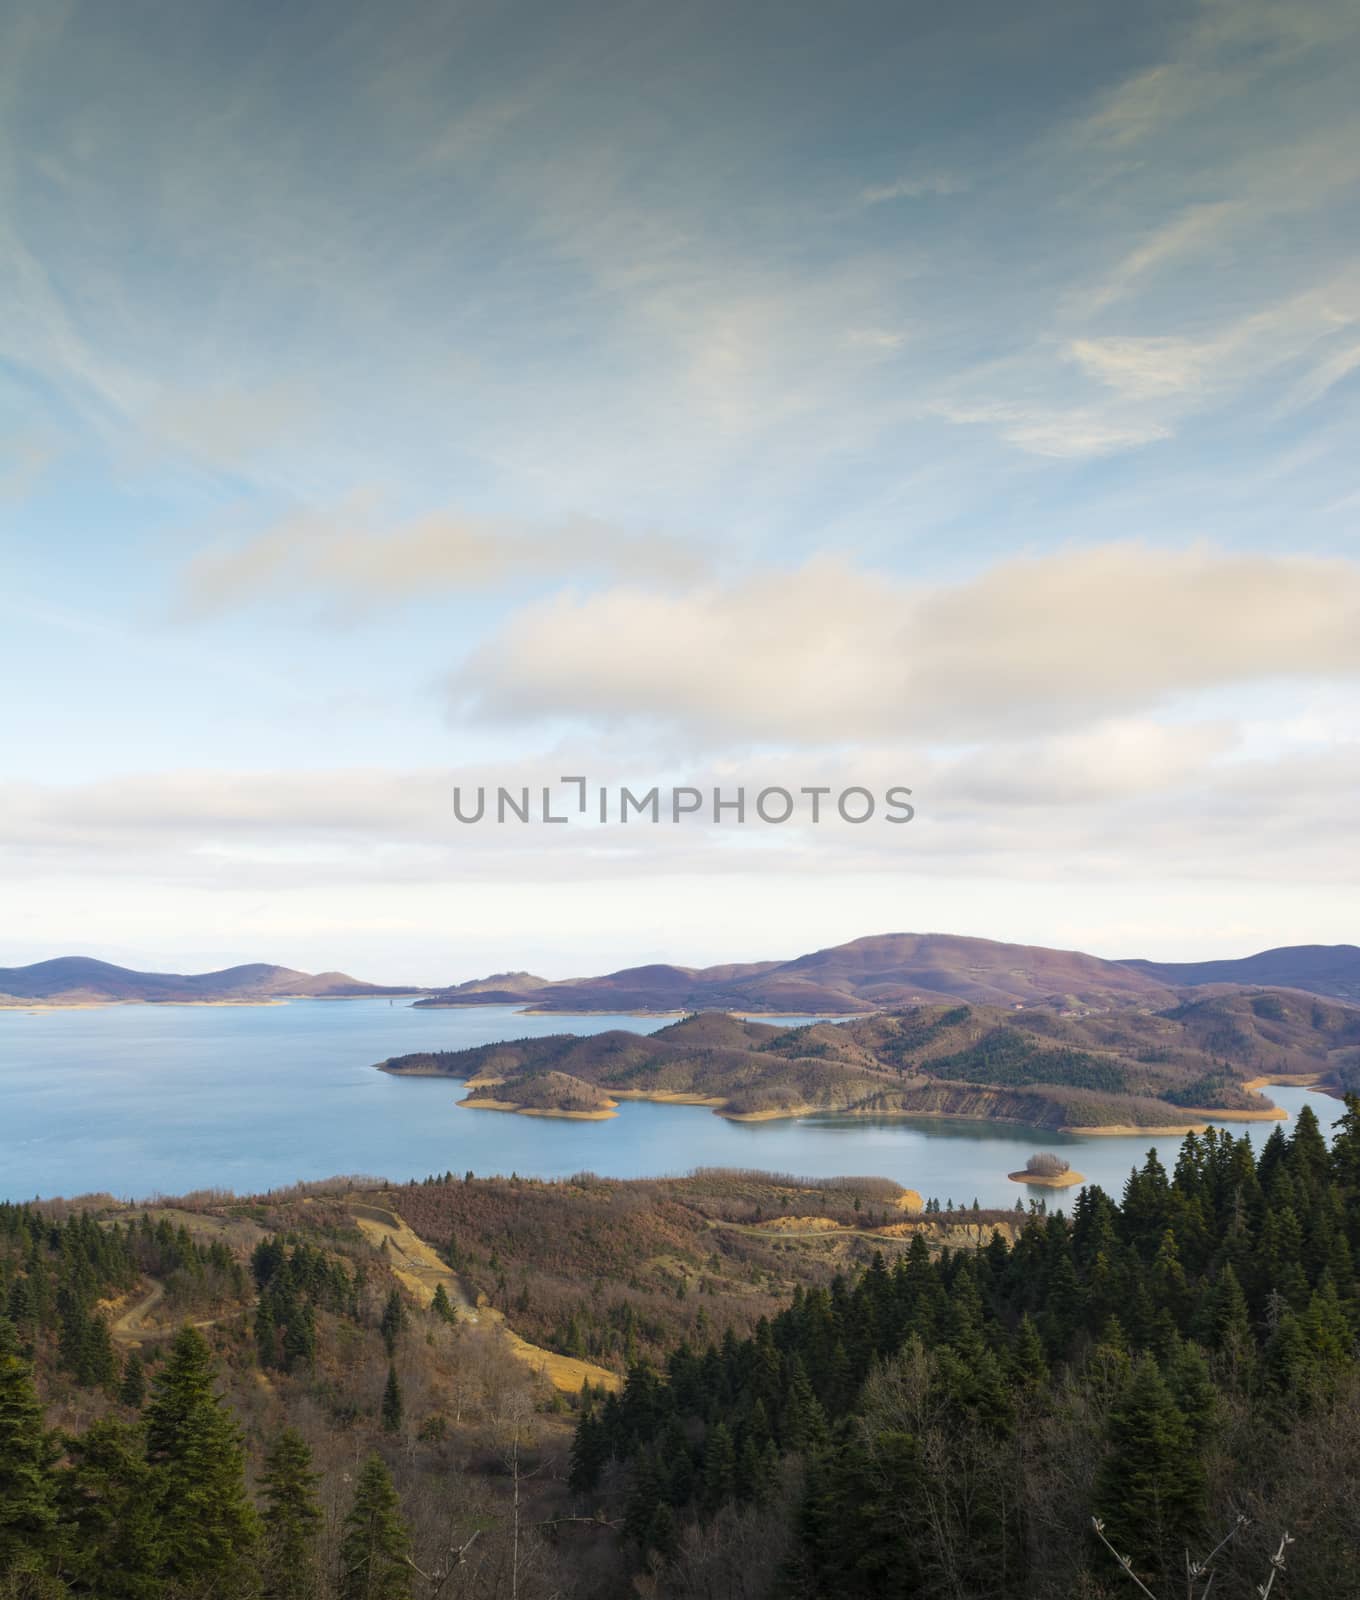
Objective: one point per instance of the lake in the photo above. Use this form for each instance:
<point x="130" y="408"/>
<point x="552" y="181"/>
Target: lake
<point x="146" y="1100"/>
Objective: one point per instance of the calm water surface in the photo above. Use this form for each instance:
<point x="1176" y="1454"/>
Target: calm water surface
<point x="145" y="1100"/>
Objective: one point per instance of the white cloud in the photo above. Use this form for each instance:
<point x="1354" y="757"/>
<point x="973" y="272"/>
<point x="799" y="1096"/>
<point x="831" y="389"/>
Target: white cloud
<point x="1195" y="229"/>
<point x="915" y="188"/>
<point x="1129" y="801"/>
<point x="349" y="557"/>
<point x="829" y="653"/>
<point x="1301" y="327"/>
<point x="1072" y="434"/>
<point x="1144" y="368"/>
<point x="1223" y="50"/>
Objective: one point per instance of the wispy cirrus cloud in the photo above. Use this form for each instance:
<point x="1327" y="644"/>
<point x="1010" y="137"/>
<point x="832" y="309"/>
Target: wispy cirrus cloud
<point x="914" y="188"/>
<point x="356" y="562"/>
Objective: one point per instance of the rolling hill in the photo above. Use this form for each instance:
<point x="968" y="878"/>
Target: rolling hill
<point x="1124" y="1068"/>
<point x="1326" y="969"/>
<point x="79" y="980"/>
<point x="891" y="970"/>
<point x="868" y="974"/>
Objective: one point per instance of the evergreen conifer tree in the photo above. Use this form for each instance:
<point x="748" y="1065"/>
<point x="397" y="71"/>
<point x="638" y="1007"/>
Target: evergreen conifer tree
<point x="720" y="1466"/>
<point x="28" y="1486"/>
<point x="292" y="1519"/>
<point x="589" y="1452"/>
<point x="391" y="1403"/>
<point x="112" y="1540"/>
<point x="373" y="1550"/>
<point x="393" y="1321"/>
<point x="132" y="1389"/>
<point x="208" y="1525"/>
<point x="1150" y="1487"/>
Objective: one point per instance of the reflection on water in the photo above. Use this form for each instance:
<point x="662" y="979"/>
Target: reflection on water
<point x="139" y="1100"/>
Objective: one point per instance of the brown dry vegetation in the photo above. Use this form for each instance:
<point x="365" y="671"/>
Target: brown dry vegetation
<point x="611" y="1271"/>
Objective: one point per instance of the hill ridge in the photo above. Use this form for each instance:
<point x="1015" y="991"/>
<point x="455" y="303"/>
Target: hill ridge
<point x="74" y="980"/>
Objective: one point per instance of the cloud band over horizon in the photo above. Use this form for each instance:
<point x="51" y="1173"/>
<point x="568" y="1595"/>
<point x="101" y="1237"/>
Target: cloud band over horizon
<point x="389" y="397"/>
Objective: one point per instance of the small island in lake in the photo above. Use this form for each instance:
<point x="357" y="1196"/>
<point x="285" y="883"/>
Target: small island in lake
<point x="1047" y="1171"/>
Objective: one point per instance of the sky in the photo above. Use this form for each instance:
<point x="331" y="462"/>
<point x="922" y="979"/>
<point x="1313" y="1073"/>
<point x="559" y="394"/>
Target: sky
<point x="408" y="397"/>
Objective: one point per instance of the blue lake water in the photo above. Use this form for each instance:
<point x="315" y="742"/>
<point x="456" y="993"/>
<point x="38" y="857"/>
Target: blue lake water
<point x="146" y="1100"/>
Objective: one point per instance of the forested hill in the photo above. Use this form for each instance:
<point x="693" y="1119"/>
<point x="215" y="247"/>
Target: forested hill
<point x="1181" y="1366"/>
<point x="829" y="1394"/>
<point x="1037" y="1065"/>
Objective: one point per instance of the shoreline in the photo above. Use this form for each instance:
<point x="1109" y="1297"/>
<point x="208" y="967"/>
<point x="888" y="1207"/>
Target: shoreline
<point x="622" y="1011"/>
<point x="1205" y="1116"/>
<point x="479" y="1103"/>
<point x="19" y="1004"/>
<point x="1322" y="1082"/>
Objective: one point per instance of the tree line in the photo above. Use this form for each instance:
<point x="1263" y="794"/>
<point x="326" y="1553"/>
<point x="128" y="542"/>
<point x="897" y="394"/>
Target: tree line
<point x="159" y="1507"/>
<point x="952" y="1426"/>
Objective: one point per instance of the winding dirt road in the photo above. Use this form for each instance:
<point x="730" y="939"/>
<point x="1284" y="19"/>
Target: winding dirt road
<point x="419" y="1267"/>
<point x="134" y="1326"/>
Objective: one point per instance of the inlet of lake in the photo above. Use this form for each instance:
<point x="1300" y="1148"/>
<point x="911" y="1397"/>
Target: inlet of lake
<point x="146" y="1100"/>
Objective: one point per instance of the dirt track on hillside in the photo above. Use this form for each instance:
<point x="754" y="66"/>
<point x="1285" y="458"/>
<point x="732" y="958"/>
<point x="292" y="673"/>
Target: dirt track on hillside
<point x="417" y="1265"/>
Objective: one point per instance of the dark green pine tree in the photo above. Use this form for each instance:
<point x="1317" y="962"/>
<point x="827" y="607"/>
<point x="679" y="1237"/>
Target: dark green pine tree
<point x="373" y="1550"/>
<point x="1230" y="1328"/>
<point x="663" y="1537"/>
<point x="644" y="1501"/>
<point x="98" y="1364"/>
<point x="1150" y="1487"/>
<point x="1291" y="1366"/>
<point x="71" y="1339"/>
<point x="111" y="1526"/>
<point x="1187" y="1372"/>
<point x="1027" y="1362"/>
<point x="393" y="1321"/>
<point x="862" y="1522"/>
<point x="20" y="1306"/>
<point x="292" y="1519"/>
<point x="132" y="1389"/>
<point x="28" y="1485"/>
<point x="266" y="1341"/>
<point x="720" y="1467"/>
<point x="391" y="1403"/>
<point x="1345" y="1156"/>
<point x="442" y="1306"/>
<point x="299" y="1338"/>
<point x="589" y="1452"/>
<point x="748" y="1472"/>
<point x="207" y="1522"/>
<point x="804" y="1427"/>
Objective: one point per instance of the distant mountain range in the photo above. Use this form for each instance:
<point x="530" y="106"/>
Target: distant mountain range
<point x="1326" y="969"/>
<point x="78" y="980"/>
<point x="874" y="974"/>
<point x="897" y="969"/>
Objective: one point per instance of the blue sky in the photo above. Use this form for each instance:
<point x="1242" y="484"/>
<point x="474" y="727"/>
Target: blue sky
<point x="391" y="397"/>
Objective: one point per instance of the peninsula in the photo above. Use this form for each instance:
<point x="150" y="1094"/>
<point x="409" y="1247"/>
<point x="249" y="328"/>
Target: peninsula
<point x="1127" y="1070"/>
